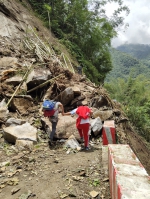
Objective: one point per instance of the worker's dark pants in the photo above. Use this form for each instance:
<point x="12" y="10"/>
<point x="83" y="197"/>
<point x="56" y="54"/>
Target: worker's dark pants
<point x="54" y="124"/>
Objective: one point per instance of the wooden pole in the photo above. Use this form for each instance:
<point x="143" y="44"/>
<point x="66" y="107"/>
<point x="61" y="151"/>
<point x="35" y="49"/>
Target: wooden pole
<point x="65" y="60"/>
<point x="71" y="65"/>
<point x="41" y="85"/>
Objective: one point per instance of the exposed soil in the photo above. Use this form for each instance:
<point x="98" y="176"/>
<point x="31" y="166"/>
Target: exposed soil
<point x="56" y="172"/>
<point x="49" y="172"/>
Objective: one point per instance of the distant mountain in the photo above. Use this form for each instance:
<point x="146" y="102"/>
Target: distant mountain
<point x="139" y="51"/>
<point x="126" y="62"/>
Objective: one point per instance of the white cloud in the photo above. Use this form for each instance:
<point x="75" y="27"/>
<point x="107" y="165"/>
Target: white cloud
<point x="139" y="23"/>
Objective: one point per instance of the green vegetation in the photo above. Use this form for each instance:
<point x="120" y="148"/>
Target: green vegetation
<point x="94" y="182"/>
<point x="129" y="84"/>
<point x="83" y="27"/>
<point x="139" y="51"/>
<point x="124" y="64"/>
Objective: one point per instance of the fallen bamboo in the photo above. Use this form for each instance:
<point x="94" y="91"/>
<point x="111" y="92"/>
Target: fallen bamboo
<point x="41" y="85"/>
<point x="19" y="85"/>
<point x="65" y="60"/>
<point x="71" y="65"/>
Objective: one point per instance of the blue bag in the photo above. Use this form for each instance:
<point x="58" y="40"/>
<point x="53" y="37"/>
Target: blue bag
<point x="48" y="105"/>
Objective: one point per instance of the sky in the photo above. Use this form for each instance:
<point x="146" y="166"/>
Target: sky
<point x="139" y="23"/>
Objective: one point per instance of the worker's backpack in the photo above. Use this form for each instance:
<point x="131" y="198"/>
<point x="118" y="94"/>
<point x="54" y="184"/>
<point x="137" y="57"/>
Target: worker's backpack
<point x="48" y="108"/>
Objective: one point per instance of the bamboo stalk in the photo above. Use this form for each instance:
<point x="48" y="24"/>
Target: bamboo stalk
<point x="44" y="51"/>
<point x="56" y="58"/>
<point x="65" y="60"/>
<point x="37" y="36"/>
<point x="71" y="65"/>
<point x="38" y="52"/>
<point x="27" y="44"/>
<point x="19" y="85"/>
<point x="41" y="85"/>
<point x="50" y="48"/>
<point x="49" y="20"/>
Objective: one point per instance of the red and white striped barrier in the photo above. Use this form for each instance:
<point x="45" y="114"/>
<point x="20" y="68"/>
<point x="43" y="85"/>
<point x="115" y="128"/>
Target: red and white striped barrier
<point x="128" y="178"/>
<point x="108" y="132"/>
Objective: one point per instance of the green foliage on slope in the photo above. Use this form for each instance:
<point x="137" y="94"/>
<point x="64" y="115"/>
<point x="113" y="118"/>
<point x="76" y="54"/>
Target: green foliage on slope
<point x="86" y="33"/>
<point x="134" y="95"/>
<point x="139" y="51"/>
<point x="129" y="84"/>
<point x="125" y="64"/>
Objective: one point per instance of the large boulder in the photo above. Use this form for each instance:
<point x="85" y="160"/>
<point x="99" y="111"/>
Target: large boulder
<point x="21" y="104"/>
<point x="104" y="115"/>
<point x="96" y="126"/>
<point x="65" y="128"/>
<point x="16" y="80"/>
<point x="99" y="102"/>
<point x="3" y="111"/>
<point x="20" y="132"/>
<point x="8" y="62"/>
<point x="37" y="77"/>
<point x="66" y="96"/>
<point x="75" y="100"/>
<point x="76" y="90"/>
<point x="14" y="122"/>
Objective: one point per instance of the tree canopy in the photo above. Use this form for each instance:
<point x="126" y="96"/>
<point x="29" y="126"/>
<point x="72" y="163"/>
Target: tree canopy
<point x="125" y="64"/>
<point x="85" y="29"/>
<point x="129" y="83"/>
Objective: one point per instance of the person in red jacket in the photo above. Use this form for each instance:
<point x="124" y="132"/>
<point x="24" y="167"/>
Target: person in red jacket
<point x="83" y="122"/>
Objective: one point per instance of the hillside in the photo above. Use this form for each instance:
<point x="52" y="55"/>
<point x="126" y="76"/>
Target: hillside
<point x="125" y="63"/>
<point x="35" y="66"/>
<point x="139" y="51"/>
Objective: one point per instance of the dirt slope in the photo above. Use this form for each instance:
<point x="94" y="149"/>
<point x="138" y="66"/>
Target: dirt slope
<point x="52" y="172"/>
